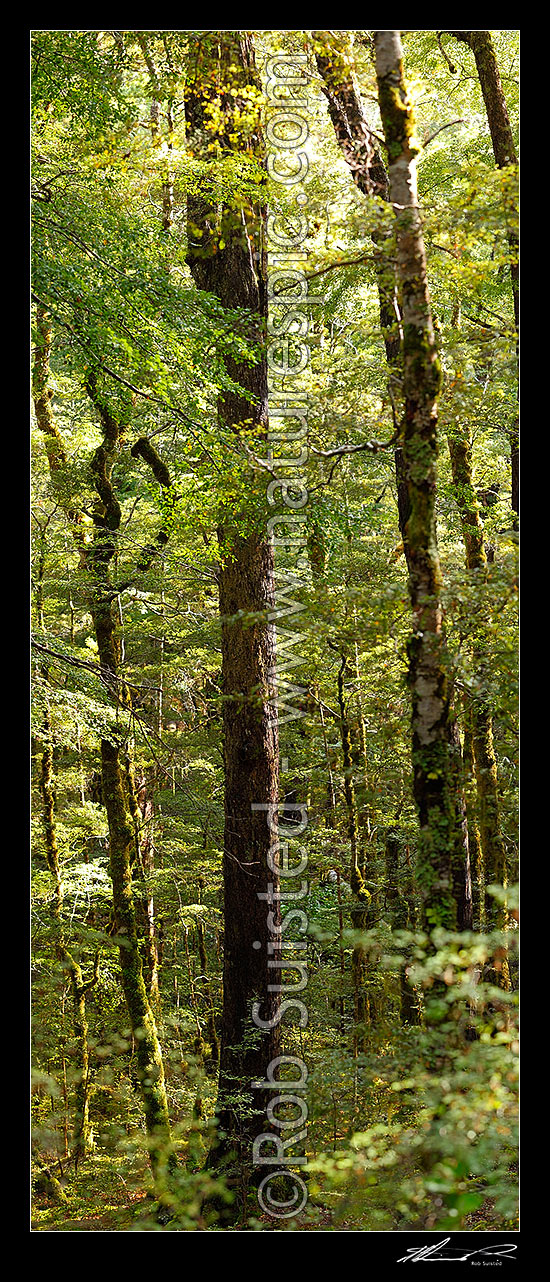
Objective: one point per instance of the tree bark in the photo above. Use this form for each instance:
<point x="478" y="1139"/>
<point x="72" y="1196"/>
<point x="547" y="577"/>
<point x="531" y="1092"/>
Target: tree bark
<point x="205" y="986"/>
<point x="481" y="44"/>
<point x="360" y="150"/>
<point x="81" y="1127"/>
<point x="421" y="384"/>
<point x="334" y="61"/>
<point x="57" y="459"/>
<point x="116" y="785"/>
<point x="476" y="853"/>
<point x="227" y="257"/>
<point x="362" y="974"/>
<point x="462" y="876"/>
<point x="400" y="919"/>
<point x="96" y="558"/>
<point x="492" y="845"/>
<point x="141" y="803"/>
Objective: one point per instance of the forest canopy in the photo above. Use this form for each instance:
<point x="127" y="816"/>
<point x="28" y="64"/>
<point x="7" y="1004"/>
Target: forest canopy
<point x="275" y="520"/>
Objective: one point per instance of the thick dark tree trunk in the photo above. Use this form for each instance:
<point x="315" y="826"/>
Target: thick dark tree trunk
<point x="227" y="257"/>
<point x="335" y="64"/>
<point x="250" y="758"/>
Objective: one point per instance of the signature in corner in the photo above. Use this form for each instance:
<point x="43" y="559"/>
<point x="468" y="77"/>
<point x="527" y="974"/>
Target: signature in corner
<point x="441" y="1251"/>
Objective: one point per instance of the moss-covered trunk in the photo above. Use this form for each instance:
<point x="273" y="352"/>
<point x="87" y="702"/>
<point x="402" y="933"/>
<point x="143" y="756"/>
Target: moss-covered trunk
<point x="81" y="1128"/>
<point x="492" y="845"/>
<point x="421" y="384"/>
<point x="205" y="986"/>
<point x="333" y="54"/>
<point x="364" y="978"/>
<point x="117" y="784"/>
<point x="502" y="138"/>
<point x="476" y="853"/>
<point x="140" y="800"/>
<point x="96" y="558"/>
<point x="79" y="989"/>
<point x="359" y="147"/>
<point x="149" y="1056"/>
<point x="398" y="904"/>
<point x="462" y="876"/>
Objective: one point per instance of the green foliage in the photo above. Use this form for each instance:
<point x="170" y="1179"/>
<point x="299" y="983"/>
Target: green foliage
<point x="410" y="1125"/>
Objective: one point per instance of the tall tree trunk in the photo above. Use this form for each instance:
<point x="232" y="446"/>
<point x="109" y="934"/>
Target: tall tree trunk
<point x="476" y="853"/>
<point x="362" y="972"/>
<point x="399" y="907"/>
<point x="141" y="802"/>
<point x="227" y="257"/>
<point x="330" y="816"/>
<point x="462" y="876"/>
<point x="334" y="59"/>
<point x="359" y="147"/>
<point x="205" y="985"/>
<point x="421" y="385"/>
<point x="492" y="845"/>
<point x="481" y="44"/>
<point x="116" y="795"/>
<point x="79" y="989"/>
<point x="96" y="560"/>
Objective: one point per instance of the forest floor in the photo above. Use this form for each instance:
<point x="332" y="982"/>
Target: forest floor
<point x="107" y="1196"/>
<point x="112" y="1193"/>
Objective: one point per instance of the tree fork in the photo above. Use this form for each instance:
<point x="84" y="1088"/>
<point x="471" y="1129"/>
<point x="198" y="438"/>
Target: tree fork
<point x="122" y="834"/>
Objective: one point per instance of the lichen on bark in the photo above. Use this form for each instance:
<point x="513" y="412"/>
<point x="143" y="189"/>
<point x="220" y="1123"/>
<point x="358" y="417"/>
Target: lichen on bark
<point x="427" y="675"/>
